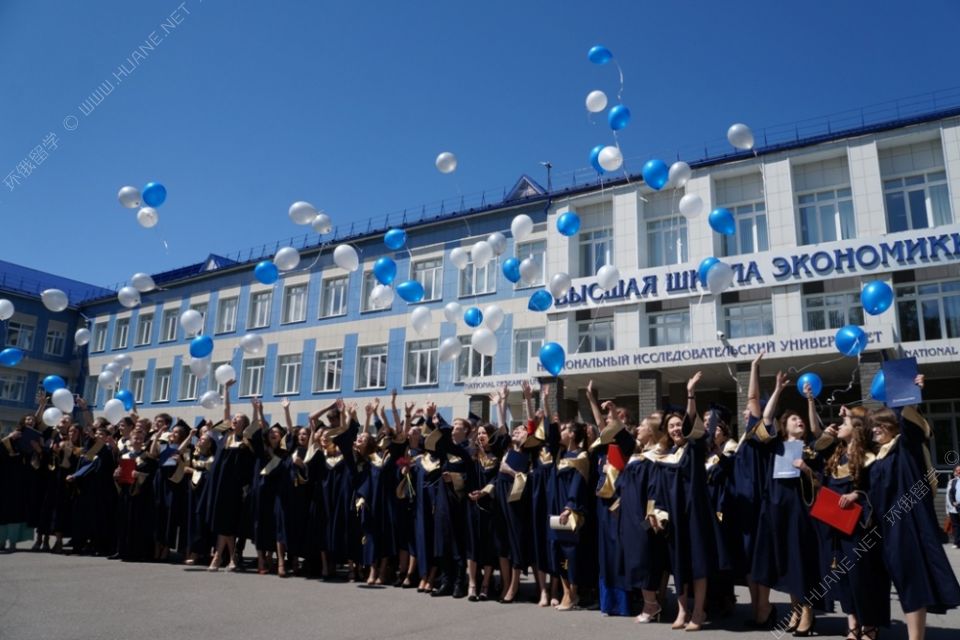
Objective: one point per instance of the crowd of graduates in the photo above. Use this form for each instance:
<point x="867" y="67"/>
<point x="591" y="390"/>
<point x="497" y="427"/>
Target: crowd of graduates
<point x="609" y="512"/>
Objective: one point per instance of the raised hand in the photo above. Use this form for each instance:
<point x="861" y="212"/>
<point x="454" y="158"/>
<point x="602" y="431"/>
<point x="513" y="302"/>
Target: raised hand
<point x="590" y="387"/>
<point x="919" y="380"/>
<point x="756" y="361"/>
<point x="285" y="403"/>
<point x="782" y="380"/>
<point x="807" y="391"/>
<point x="527" y="391"/>
<point x="692" y="382"/>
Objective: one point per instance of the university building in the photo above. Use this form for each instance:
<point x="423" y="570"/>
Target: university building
<point x="816" y="219"/>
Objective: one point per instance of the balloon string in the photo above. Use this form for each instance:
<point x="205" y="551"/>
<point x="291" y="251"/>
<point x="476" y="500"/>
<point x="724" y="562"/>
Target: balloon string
<point x="853" y="379"/>
<point x="623" y="163"/>
<point x="620" y="71"/>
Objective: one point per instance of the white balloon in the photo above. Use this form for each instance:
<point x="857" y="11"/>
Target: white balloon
<point x="225" y="373"/>
<point x="481" y="253"/>
<point x="560" y="284"/>
<point x="450" y="349"/>
<point x="107" y="379"/>
<point x="680" y="172"/>
<point x="484" y="341"/>
<point x="115" y="369"/>
<point x="596" y="101"/>
<point x="147" y="217"/>
<point x="446" y="162"/>
<point x="719" y="278"/>
<point x="129" y="297"/>
<point x="346" y="257"/>
<point x="497" y="242"/>
<point x="691" y="205"/>
<point x="740" y="136"/>
<point x="142" y="282"/>
<point x="129" y="197"/>
<point x="321" y="223"/>
<point x="200" y="366"/>
<point x="521" y="227"/>
<point x="459" y="257"/>
<point x="302" y="212"/>
<point x="610" y="158"/>
<point x="6" y="309"/>
<point x="54" y="299"/>
<point x="52" y="415"/>
<point x="113" y="410"/>
<point x="420" y="318"/>
<point x="452" y="311"/>
<point x="210" y="400"/>
<point x="192" y="322"/>
<point x="492" y="317"/>
<point x="608" y="276"/>
<point x="81" y="337"/>
<point x="381" y="297"/>
<point x="286" y="259"/>
<point x="124" y="360"/>
<point x="251" y="343"/>
<point x="62" y="399"/>
<point x="529" y="271"/>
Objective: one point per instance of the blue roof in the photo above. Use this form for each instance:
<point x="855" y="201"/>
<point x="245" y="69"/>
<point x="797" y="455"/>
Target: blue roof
<point x="16" y="278"/>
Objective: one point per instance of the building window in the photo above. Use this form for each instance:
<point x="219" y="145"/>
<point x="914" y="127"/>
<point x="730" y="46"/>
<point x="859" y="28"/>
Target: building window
<point x="666" y="241"/>
<point x="372" y="367"/>
<point x="534" y="251"/>
<point x="294" y="303"/>
<point x="120" y="334"/>
<point x="422" y="359"/>
<point x="669" y="327"/>
<point x="161" y="385"/>
<point x="99" y="337"/>
<point x="831" y="311"/>
<point x="476" y="281"/>
<point x="201" y="308"/>
<point x="168" y="331"/>
<point x="369" y="282"/>
<point x="595" y="335"/>
<point x="929" y="311"/>
<point x="227" y="315"/>
<point x="288" y="374"/>
<point x="260" y="309"/>
<point x="917" y="202"/>
<point x="526" y="345"/>
<point x="429" y="273"/>
<point x="144" y="328"/>
<point x="21" y="335"/>
<point x="54" y="344"/>
<point x="137" y="383"/>
<point x="826" y="216"/>
<point x="188" y="385"/>
<point x="251" y="377"/>
<point x="328" y="371"/>
<point x="333" y="297"/>
<point x="596" y="250"/>
<point x="12" y="386"/>
<point x="471" y="364"/>
<point x="751" y="235"/>
<point x="213" y="384"/>
<point x="748" y="319"/>
<point x="90" y="390"/>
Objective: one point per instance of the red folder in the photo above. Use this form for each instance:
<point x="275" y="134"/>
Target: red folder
<point x="127" y="467"/>
<point x="826" y="508"/>
<point x="615" y="456"/>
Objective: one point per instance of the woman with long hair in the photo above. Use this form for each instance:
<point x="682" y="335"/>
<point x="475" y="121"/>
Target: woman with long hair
<point x="571" y="505"/>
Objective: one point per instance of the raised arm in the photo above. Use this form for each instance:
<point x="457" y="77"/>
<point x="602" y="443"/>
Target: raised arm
<point x="692" y="395"/>
<point x="41" y="405"/>
<point x="595" y="406"/>
<point x="753" y="391"/>
<point x="812" y="417"/>
<point x="286" y="415"/>
<point x="545" y="401"/>
<point x="528" y="400"/>
<point x="770" y="411"/>
<point x="226" y="400"/>
<point x="398" y="427"/>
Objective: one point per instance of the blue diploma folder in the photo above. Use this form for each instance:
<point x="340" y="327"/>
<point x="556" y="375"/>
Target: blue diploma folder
<point x="898" y="378"/>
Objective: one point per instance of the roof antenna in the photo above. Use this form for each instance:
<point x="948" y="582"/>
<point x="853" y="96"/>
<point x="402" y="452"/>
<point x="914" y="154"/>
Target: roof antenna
<point x="548" y="166"/>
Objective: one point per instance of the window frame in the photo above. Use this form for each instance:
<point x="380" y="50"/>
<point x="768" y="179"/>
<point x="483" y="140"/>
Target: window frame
<point x="726" y="319"/>
<point x="324" y="293"/>
<point x="414" y="350"/>
<point x="528" y="342"/>
<point x="123" y="323"/>
<point x="256" y="307"/>
<point x="654" y="327"/>
<point x="186" y="388"/>
<point x="284" y="363"/>
<point x="99" y="339"/>
<point x="363" y="359"/>
<point x="490" y="271"/>
<point x="541" y="256"/>
<point x="436" y="271"/>
<point x="903" y="297"/>
<point x="57" y="333"/>
<point x="221" y="304"/>
<point x="817" y="203"/>
<point x="829" y="306"/>
<point x="589" y="240"/>
<point x="587" y="334"/>
<point x="158" y="376"/>
<point x="321" y="367"/>
<point x="485" y="363"/>
<point x="285" y="310"/>
<point x="144" y="320"/>
<point x="246" y="368"/>
<point x="924" y="186"/>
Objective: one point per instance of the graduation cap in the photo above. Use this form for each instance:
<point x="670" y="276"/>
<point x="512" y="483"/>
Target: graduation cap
<point x="181" y="423"/>
<point x="474" y="418"/>
<point x="27" y="437"/>
<point x="221" y="427"/>
<point x="433" y="439"/>
<point x="720" y="411"/>
<point x="277" y="425"/>
<point x="417" y="421"/>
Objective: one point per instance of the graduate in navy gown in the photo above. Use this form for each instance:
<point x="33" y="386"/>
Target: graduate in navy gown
<point x="135" y="508"/>
<point x="199" y="536"/>
<point x="544" y="445"/>
<point x="721" y="598"/>
<point x="512" y="500"/>
<point x="409" y="446"/>
<point x="170" y="448"/>
<point x="296" y="506"/>
<point x="572" y="508"/>
<point x="268" y="492"/>
<point x="343" y="539"/>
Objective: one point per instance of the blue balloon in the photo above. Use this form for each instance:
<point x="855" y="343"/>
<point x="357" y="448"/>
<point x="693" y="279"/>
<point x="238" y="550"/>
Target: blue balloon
<point x="511" y="269"/>
<point x="721" y="221"/>
<point x="410" y="290"/>
<point x="126" y="397"/>
<point x="52" y="383"/>
<point x="395" y="239"/>
<point x="201" y="346"/>
<point x="541" y="300"/>
<point x="851" y="340"/>
<point x="11" y="357"/>
<point x="599" y="54"/>
<point x="618" y="117"/>
<point x="266" y="272"/>
<point x="876" y="297"/>
<point x="552" y="357"/>
<point x="385" y="270"/>
<point x="704" y="269"/>
<point x="473" y="316"/>
<point x="812" y="379"/>
<point x="154" y="194"/>
<point x="878" y="388"/>
<point x="568" y="223"/>
<point x="656" y="174"/>
<point x="595" y="158"/>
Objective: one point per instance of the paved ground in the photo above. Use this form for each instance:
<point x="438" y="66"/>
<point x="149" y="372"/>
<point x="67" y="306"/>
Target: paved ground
<point x="44" y="597"/>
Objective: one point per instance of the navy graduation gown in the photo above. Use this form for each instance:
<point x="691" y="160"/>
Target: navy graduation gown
<point x="513" y="517"/>
<point x="171" y="501"/>
<point x="543" y="480"/>
<point x="750" y="470"/>
<point x="135" y="512"/>
<point x="228" y="478"/>
<point x="644" y="558"/>
<point x="342" y="524"/>
<point x="268" y="494"/>
<point x="427" y="477"/>
<point x="571" y="491"/>
<point x="482" y="540"/>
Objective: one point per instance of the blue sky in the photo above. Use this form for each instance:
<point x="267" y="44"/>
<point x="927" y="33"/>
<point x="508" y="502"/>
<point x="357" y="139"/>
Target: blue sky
<point x="244" y="107"/>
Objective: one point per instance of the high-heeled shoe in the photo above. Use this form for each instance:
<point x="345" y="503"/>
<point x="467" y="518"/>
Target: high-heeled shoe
<point x="645" y="618"/>
<point x="854" y="634"/>
<point x="794" y="623"/>
<point x="694" y="625"/>
<point x="872" y="634"/>
<point x="809" y="631"/>
<point x="678" y="624"/>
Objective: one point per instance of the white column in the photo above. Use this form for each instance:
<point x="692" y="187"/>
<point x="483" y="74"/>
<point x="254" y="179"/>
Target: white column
<point x="867" y="188"/>
<point x="626" y="221"/>
<point x="781" y="212"/>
